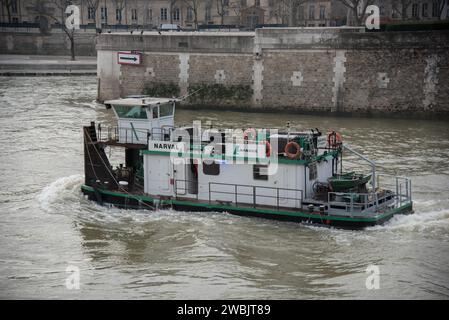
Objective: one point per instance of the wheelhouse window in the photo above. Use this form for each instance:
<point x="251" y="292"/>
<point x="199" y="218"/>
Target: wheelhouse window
<point x="260" y="172"/>
<point x="165" y="110"/>
<point x="155" y="112"/>
<point x="130" y="112"/>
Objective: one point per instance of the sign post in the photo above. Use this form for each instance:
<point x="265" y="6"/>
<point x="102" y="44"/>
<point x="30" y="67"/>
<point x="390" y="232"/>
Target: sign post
<point x="129" y="57"/>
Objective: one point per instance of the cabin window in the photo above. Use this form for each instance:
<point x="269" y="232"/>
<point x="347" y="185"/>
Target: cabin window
<point x="211" y="168"/>
<point x="166" y="110"/>
<point x="312" y="171"/>
<point x="131" y="112"/>
<point x="155" y="112"/>
<point x="260" y="172"/>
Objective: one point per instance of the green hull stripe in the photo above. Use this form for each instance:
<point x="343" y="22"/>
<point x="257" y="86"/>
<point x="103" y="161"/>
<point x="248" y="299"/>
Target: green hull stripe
<point x="405" y="207"/>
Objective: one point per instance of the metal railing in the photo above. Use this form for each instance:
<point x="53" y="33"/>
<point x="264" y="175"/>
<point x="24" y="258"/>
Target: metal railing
<point x="122" y="135"/>
<point x="402" y="185"/>
<point x="353" y="202"/>
<point x="275" y="196"/>
<point x="183" y="189"/>
<point x="131" y="135"/>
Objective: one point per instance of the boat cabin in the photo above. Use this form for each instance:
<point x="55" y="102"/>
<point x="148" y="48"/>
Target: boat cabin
<point x="138" y="119"/>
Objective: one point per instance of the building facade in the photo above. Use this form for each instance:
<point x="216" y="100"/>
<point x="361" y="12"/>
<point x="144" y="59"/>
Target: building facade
<point x="192" y="14"/>
<point x="189" y="14"/>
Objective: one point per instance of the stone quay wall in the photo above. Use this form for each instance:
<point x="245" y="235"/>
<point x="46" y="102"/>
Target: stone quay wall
<point x="304" y="70"/>
<point x="54" y="43"/>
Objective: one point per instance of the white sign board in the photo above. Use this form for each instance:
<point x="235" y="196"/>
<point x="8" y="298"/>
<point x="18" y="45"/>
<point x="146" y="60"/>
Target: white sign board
<point x="167" y="146"/>
<point x="129" y="57"/>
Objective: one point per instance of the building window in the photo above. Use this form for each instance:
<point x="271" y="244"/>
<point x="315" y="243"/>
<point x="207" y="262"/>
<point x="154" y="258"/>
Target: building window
<point x="243" y="3"/>
<point x="301" y="13"/>
<point x="207" y="14"/>
<point x="164" y="14"/>
<point x="257" y="3"/>
<point x="13" y="6"/>
<point x="225" y="3"/>
<point x="15" y="20"/>
<point x="118" y="14"/>
<point x="415" y="10"/>
<point x="382" y="11"/>
<point x="150" y="14"/>
<point x="435" y="9"/>
<point x="312" y="12"/>
<point x="189" y="14"/>
<point x="424" y="9"/>
<point x="322" y="12"/>
<point x="176" y="14"/>
<point x="91" y="13"/>
<point x="211" y="168"/>
<point x="134" y="14"/>
<point x="260" y="172"/>
<point x="104" y="14"/>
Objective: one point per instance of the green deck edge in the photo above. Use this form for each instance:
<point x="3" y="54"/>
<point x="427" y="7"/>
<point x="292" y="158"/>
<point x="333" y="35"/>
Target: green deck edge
<point x="388" y="214"/>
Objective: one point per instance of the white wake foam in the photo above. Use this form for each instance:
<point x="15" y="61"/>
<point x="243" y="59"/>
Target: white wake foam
<point x="59" y="189"/>
<point x="418" y="221"/>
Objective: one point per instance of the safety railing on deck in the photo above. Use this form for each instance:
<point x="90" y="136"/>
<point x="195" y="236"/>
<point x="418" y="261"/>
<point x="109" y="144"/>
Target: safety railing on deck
<point x="255" y="196"/>
<point x="357" y="202"/>
<point x="402" y="185"/>
<point x="131" y="135"/>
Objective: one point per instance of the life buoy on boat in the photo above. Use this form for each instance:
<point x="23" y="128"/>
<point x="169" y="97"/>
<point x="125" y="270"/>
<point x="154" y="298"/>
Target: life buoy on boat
<point x="250" y="134"/>
<point x="291" y="155"/>
<point x="334" y="139"/>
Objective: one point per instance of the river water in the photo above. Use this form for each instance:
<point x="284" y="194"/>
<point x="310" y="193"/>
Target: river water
<point x="47" y="225"/>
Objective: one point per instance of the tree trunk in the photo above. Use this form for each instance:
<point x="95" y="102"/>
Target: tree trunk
<point x="356" y="16"/>
<point x="294" y="15"/>
<point x="72" y="46"/>
<point x="8" y="9"/>
<point x="195" y="12"/>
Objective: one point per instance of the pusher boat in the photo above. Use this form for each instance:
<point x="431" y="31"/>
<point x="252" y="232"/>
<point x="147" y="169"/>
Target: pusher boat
<point x="269" y="173"/>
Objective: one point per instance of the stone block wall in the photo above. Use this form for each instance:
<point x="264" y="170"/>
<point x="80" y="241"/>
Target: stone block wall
<point x="56" y="43"/>
<point x="311" y="70"/>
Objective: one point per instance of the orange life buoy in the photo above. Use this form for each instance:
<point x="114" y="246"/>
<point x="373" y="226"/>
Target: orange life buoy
<point x="334" y="139"/>
<point x="250" y="134"/>
<point x="291" y="155"/>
